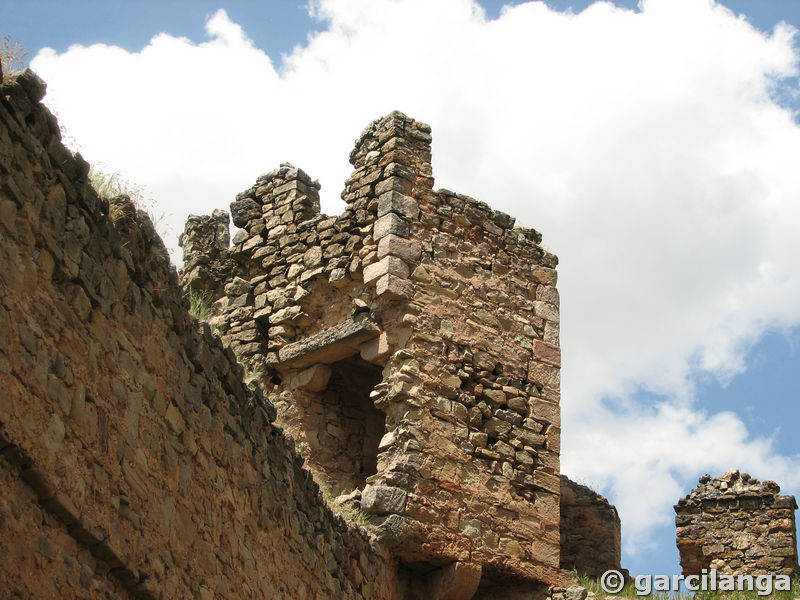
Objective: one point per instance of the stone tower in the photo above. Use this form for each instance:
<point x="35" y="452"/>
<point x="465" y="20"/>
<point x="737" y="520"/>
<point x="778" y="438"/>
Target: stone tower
<point x="737" y="524"/>
<point x="411" y="347"/>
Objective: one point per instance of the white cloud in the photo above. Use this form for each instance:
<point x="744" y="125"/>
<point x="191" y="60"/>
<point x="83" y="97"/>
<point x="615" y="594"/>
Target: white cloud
<point x="645" y="146"/>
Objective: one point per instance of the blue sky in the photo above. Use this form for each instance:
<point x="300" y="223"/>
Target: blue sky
<point x="275" y="26"/>
<point x="653" y="146"/>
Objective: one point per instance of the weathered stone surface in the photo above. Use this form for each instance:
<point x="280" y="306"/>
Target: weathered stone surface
<point x="134" y="460"/>
<point x="332" y="344"/>
<point x="285" y="315"/>
<point x="392" y="286"/>
<point x="576" y="592"/>
<point x="454" y="400"/>
<point x="243" y="211"/>
<point x="737" y="524"/>
<point x="408" y="250"/>
<point x="313" y="379"/>
<point x="545" y="375"/>
<point x="547" y="353"/>
<point x="395" y="202"/>
<point x="573" y="592"/>
<point x="388" y="264"/>
<point x="205" y="242"/>
<point x="399" y="178"/>
<point x="376" y="350"/>
<point x="590" y="531"/>
<point x="237" y="287"/>
<point x="456" y="581"/>
<point x="390" y="224"/>
<point x="382" y="500"/>
<point x="312" y="257"/>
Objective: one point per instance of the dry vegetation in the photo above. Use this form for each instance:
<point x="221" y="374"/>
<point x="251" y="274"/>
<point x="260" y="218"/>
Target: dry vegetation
<point x="630" y="591"/>
<point x="12" y="55"/>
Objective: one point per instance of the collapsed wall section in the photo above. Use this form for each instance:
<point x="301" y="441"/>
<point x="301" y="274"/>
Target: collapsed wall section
<point x="737" y="524"/>
<point x="133" y="460"/>
<point x="590" y="531"/>
<point x="458" y="310"/>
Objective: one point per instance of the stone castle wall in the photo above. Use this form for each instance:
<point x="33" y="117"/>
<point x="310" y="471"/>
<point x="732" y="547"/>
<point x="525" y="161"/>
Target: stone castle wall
<point x="591" y="540"/>
<point x="410" y="346"/>
<point x="133" y="460"/>
<point x="447" y="317"/>
<point x="737" y="524"/>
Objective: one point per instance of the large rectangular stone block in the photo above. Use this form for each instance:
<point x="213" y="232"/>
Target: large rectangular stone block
<point x="394" y="287"/>
<point x="547" y="353"/>
<point x="390" y="223"/>
<point x="388" y="264"/>
<point x="546" y="411"/>
<point x="545" y="311"/>
<point x="383" y="499"/>
<point x="332" y="344"/>
<point x="545" y="375"/>
<point x="313" y="379"/>
<point x="408" y="250"/>
<point x="548" y="482"/>
<point x="376" y="349"/>
<point x="395" y="202"/>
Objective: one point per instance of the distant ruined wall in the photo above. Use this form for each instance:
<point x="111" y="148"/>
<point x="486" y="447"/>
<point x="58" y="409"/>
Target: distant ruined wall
<point x="446" y="315"/>
<point x="737" y="524"/>
<point x="590" y="531"/>
<point x="134" y="463"/>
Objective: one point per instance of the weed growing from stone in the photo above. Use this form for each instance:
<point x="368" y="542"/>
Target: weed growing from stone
<point x="627" y="591"/>
<point x="357" y="516"/>
<point x="351" y="514"/>
<point x="110" y="185"/>
<point x="199" y="305"/>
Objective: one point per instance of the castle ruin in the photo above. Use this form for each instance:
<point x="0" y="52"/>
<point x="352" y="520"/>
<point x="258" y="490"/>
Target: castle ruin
<point x="737" y="524"/>
<point x="402" y="356"/>
<point x="410" y="346"/>
<point x="399" y="361"/>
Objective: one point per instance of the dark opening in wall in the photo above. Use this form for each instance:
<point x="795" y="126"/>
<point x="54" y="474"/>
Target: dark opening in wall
<point x="351" y="425"/>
